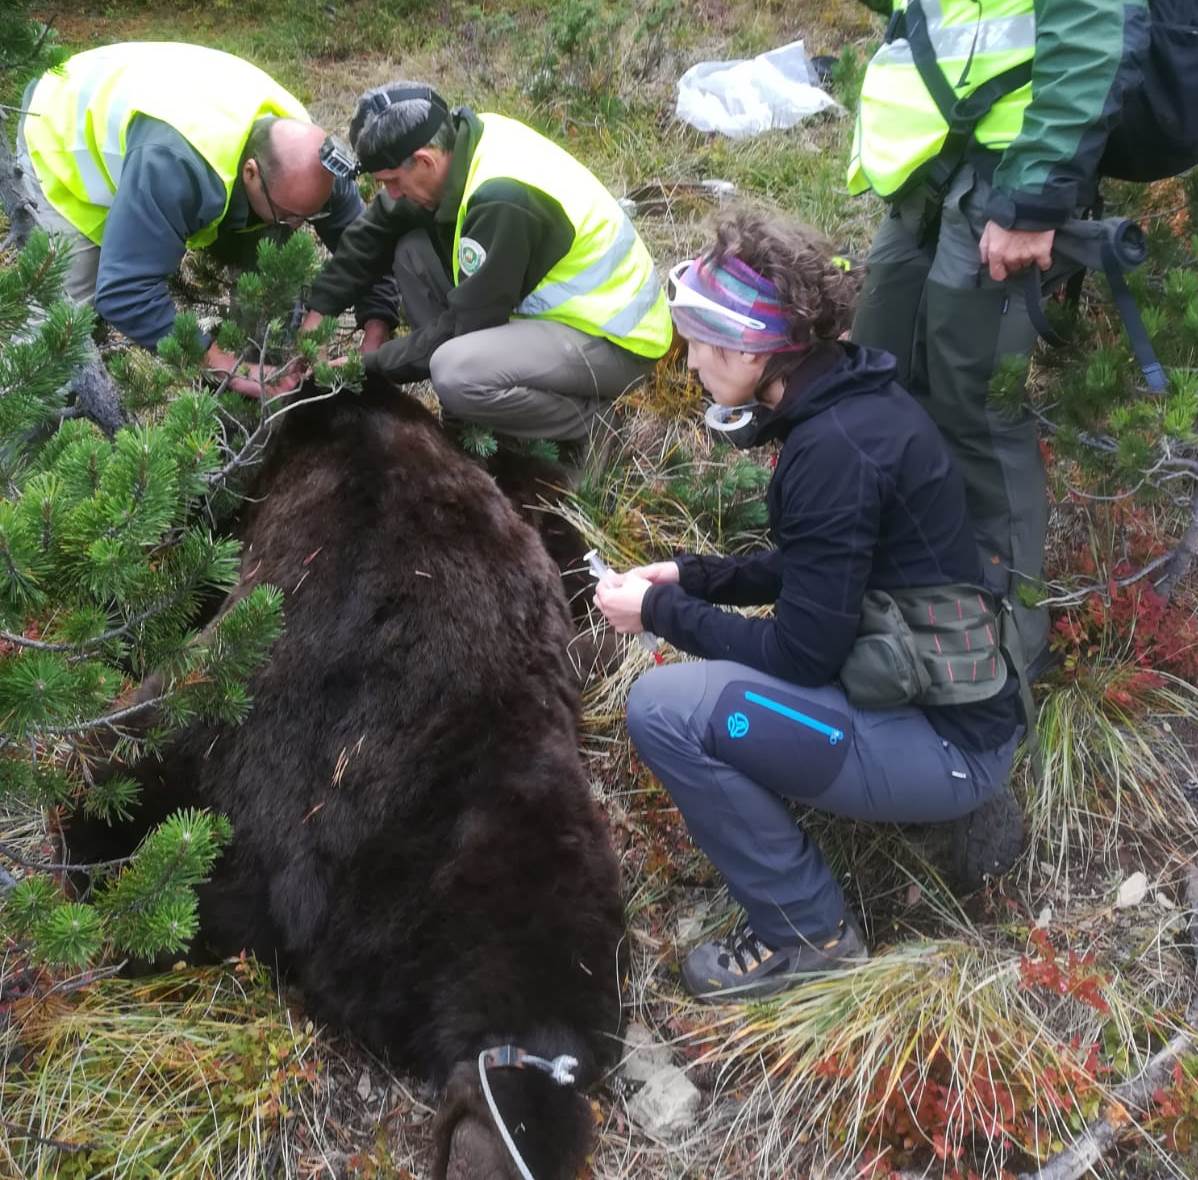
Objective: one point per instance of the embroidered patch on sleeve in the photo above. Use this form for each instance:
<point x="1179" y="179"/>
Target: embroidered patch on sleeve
<point x="471" y="256"/>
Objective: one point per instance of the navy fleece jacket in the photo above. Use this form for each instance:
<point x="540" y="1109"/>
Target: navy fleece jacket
<point x="865" y="496"/>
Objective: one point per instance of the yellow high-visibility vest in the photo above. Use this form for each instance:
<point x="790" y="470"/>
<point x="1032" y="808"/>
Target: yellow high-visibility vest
<point x="605" y="284"/>
<point x="81" y="113"/>
<point x="899" y="126"/>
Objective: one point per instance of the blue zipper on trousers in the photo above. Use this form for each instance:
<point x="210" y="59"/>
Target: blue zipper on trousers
<point x="830" y="732"/>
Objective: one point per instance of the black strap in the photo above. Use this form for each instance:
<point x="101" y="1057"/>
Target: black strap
<point x="1129" y="313"/>
<point x="923" y="54"/>
<point x="1032" y="295"/>
<point x="962" y="115"/>
<point x="1141" y="345"/>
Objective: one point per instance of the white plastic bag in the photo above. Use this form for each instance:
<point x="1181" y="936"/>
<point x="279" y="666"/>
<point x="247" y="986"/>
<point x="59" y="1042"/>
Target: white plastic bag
<point x="741" y="98"/>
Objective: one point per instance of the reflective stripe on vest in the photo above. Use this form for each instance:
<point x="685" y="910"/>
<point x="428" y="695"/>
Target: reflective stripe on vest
<point x="80" y="118"/>
<point x="899" y="127"/>
<point x="606" y="284"/>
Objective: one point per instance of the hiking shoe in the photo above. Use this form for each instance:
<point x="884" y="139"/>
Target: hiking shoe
<point x="985" y="843"/>
<point x="741" y="966"/>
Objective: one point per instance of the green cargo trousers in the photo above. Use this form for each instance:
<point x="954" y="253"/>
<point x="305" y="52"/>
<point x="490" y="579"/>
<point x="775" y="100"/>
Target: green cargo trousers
<point x="934" y="306"/>
<point x="527" y="378"/>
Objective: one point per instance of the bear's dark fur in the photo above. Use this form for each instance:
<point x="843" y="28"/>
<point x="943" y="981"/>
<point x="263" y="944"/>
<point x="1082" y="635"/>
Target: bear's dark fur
<point x="415" y="844"/>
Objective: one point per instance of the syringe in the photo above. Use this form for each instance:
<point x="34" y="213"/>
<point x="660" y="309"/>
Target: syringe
<point x="599" y="568"/>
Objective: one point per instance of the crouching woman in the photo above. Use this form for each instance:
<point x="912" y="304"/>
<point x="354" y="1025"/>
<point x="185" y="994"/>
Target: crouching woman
<point x="877" y="689"/>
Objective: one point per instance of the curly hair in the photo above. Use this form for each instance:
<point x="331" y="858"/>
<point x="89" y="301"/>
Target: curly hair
<point x="818" y="295"/>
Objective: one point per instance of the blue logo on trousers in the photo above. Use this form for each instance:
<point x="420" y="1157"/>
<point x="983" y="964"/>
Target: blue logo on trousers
<point x="738" y="725"/>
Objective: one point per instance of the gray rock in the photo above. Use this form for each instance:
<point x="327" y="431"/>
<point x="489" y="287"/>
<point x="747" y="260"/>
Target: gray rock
<point x="1132" y="891"/>
<point x="666" y="1104"/>
<point x="643" y="1056"/>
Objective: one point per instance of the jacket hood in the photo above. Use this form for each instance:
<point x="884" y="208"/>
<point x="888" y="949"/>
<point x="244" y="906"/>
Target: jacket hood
<point x="831" y="374"/>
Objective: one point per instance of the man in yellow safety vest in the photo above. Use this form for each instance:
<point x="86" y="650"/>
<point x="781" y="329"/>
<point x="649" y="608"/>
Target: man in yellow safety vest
<point x="982" y="125"/>
<point x="532" y="300"/>
<point x="136" y="152"/>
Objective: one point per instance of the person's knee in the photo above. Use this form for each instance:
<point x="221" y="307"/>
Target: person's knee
<point x="640" y="713"/>
<point x="661" y="708"/>
<point x="413" y="250"/>
<point x="456" y="378"/>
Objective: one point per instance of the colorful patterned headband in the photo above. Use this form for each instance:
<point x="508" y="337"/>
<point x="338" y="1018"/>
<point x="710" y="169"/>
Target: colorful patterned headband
<point x="729" y="305"/>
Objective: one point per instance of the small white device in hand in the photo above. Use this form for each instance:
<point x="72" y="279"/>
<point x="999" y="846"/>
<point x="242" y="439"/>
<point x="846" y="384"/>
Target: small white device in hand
<point x="599" y="568"/>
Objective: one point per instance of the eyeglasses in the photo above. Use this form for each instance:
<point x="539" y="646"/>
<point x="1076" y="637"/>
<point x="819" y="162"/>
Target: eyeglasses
<point x="285" y="216"/>
<point x="679" y="296"/>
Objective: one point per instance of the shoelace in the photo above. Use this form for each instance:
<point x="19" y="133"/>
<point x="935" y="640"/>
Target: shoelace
<point x="738" y="943"/>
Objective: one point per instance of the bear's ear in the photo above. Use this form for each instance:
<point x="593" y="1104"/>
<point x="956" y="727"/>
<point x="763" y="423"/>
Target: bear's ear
<point x="476" y="1153"/>
<point x="551" y="1125"/>
<point x="468" y="1146"/>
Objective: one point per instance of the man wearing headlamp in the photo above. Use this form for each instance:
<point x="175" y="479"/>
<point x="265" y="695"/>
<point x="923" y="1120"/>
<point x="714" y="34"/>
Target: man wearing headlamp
<point x="532" y="300"/>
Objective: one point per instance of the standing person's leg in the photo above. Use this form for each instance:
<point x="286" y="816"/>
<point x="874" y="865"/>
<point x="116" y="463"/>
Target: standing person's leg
<point x="890" y="309"/>
<point x="533" y="378"/>
<point x="974" y="324"/>
<point x="731" y="745"/>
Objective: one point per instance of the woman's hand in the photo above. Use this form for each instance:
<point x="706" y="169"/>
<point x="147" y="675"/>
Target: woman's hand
<point x="619" y="597"/>
<point x="660" y="573"/>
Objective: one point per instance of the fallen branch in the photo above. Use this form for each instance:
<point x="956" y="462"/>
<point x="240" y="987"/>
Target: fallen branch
<point x="1077" y="597"/>
<point x="12" y="194"/>
<point x="13" y="1131"/>
<point x="64" y="987"/>
<point x="12" y="855"/>
<point x="1184" y="555"/>
<point x="1134" y="1095"/>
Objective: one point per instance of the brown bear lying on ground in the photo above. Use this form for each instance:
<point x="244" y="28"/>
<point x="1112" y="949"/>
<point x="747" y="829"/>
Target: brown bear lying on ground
<point x="415" y="844"/>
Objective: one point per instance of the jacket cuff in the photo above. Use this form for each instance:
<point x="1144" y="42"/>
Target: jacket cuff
<point x="325" y="304"/>
<point x="1023" y="211"/>
<point x="692" y="576"/>
<point x="653" y="597"/>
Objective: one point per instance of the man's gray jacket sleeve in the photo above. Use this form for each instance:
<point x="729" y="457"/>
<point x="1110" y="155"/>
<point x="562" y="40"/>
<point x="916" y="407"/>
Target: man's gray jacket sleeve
<point x="167" y="192"/>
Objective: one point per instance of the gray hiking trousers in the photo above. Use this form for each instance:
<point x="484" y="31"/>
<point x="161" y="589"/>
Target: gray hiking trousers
<point x="733" y="745"/>
<point x="94" y="390"/>
<point x="934" y="306"/>
<point x="526" y="378"/>
<point x="80" y="283"/>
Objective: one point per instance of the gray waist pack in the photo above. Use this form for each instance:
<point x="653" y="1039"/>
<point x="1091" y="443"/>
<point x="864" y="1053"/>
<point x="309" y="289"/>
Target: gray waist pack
<point x="935" y="645"/>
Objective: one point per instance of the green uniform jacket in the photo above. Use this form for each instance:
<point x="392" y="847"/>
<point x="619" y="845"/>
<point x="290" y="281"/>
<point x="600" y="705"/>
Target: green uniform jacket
<point x="523" y="231"/>
<point x="1088" y="52"/>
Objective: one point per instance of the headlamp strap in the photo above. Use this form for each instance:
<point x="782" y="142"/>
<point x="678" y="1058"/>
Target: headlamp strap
<point x="398" y="150"/>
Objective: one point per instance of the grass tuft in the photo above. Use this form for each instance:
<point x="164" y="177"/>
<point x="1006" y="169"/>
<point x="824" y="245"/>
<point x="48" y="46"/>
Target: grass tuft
<point x="1114" y="765"/>
<point x="191" y="1074"/>
<point x="924" y="1056"/>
